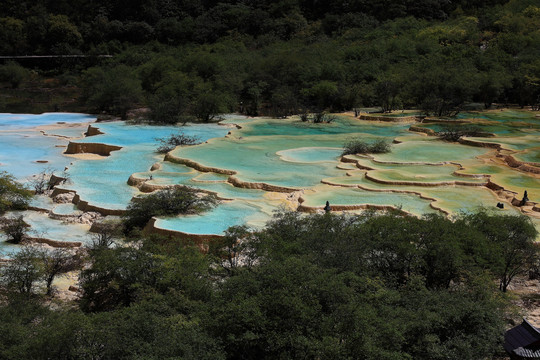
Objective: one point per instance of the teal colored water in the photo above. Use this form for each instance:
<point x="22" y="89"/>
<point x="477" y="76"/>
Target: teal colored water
<point x="20" y="121"/>
<point x="256" y="160"/>
<point x="21" y="151"/>
<point x="103" y="182"/>
<point x="433" y="174"/>
<point x="217" y="220"/>
<point x="42" y="226"/>
<point x="342" y="125"/>
<point x="167" y="166"/>
<point x="74" y="131"/>
<point x="210" y="177"/>
<point x="354" y="196"/>
<point x="166" y="178"/>
<point x="122" y="134"/>
<point x="227" y="191"/>
<point x="23" y="145"/>
<point x="66" y="209"/>
<point x="310" y="154"/>
<point x="196" y="179"/>
<point x="429" y="152"/>
<point x="42" y="202"/>
<point x="532" y="155"/>
<point x="287" y="153"/>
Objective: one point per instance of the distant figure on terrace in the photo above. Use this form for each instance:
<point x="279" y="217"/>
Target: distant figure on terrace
<point x="525" y="198"/>
<point x="327" y="208"/>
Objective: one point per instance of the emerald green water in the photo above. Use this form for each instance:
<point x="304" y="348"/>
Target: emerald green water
<point x="355" y="196"/>
<point x="433" y="152"/>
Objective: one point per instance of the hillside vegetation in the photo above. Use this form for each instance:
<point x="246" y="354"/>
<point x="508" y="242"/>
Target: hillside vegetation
<point x="194" y="59"/>
<point x="316" y="287"/>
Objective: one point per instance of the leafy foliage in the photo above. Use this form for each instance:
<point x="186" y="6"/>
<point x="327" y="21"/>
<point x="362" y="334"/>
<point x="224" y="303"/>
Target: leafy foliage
<point x="14" y="227"/>
<point x="172" y="201"/>
<point x="174" y="140"/>
<point x="14" y="74"/>
<point x="455" y="132"/>
<point x="199" y="60"/>
<point x="359" y="146"/>
<point x="115" y="90"/>
<point x="13" y="196"/>
<point x="367" y="286"/>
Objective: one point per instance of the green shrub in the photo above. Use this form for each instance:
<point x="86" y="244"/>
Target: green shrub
<point x="454" y="132"/>
<point x="14" y="228"/>
<point x="13" y="196"/>
<point x="13" y="73"/>
<point x="358" y="146"/>
<point x="172" y="201"/>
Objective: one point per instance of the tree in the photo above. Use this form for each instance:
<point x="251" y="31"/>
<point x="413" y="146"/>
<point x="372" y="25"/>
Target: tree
<point x="234" y="251"/>
<point x="116" y="277"/>
<point x="56" y="262"/>
<point x="23" y="271"/>
<point x="388" y="95"/>
<point x="15" y="228"/>
<point x="62" y="36"/>
<point x="172" y="93"/>
<point x="174" y="140"/>
<point x="208" y="106"/>
<point x="13" y="73"/>
<point x="41" y="182"/>
<point x="441" y="91"/>
<point x="455" y="132"/>
<point x="168" y="106"/>
<point x="12" y="36"/>
<point x="115" y="90"/>
<point x="323" y="94"/>
<point x="105" y="236"/>
<point x="511" y="243"/>
<point x="168" y="202"/>
<point x="13" y="196"/>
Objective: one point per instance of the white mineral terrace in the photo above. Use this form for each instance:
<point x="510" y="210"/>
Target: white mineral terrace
<point x="256" y="166"/>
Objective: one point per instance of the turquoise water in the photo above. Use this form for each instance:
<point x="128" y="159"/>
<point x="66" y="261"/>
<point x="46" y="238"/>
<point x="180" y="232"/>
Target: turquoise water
<point x="22" y="146"/>
<point x="532" y="155"/>
<point x="429" y="152"/>
<point x="21" y="160"/>
<point x="19" y="121"/>
<point x="310" y="154"/>
<point x="342" y="125"/>
<point x="66" y="209"/>
<point x="103" y="182"/>
<point x="286" y="153"/>
<point x="42" y="226"/>
<point x="217" y="220"/>
<point x="353" y="196"/>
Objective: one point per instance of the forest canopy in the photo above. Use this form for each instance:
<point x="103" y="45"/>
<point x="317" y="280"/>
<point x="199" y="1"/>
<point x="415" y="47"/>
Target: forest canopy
<point x="192" y="60"/>
<point x="371" y="286"/>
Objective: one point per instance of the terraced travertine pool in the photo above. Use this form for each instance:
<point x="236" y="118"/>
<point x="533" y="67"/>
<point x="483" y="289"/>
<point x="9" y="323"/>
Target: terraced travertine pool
<point x="259" y="165"/>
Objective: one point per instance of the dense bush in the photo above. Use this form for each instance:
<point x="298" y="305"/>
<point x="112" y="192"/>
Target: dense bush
<point x="280" y="59"/>
<point x="13" y="196"/>
<point x="455" y="132"/>
<point x="171" y="201"/>
<point x="370" y="286"/>
<point x="359" y="146"/>
<point x="13" y="73"/>
<point x="14" y="228"/>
